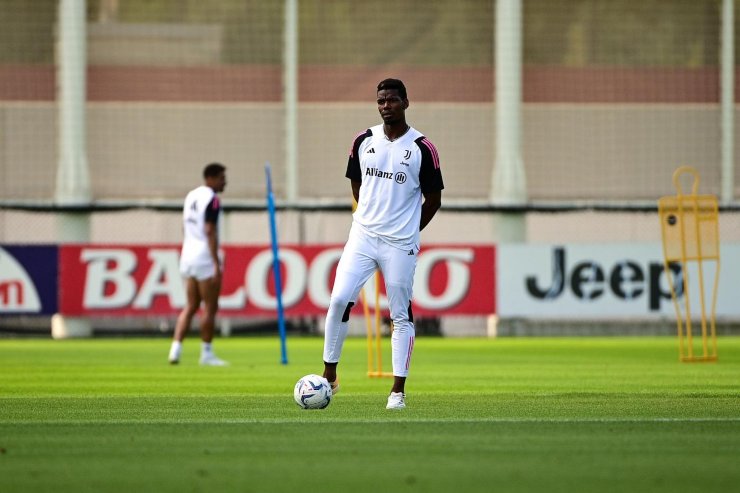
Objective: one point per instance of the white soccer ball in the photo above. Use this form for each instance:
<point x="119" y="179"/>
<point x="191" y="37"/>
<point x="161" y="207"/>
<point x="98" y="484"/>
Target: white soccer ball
<point x="312" y="392"/>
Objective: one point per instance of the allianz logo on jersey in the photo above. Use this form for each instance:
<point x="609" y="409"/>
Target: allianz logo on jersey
<point x="399" y="177"/>
<point x="17" y="290"/>
<point x="378" y="173"/>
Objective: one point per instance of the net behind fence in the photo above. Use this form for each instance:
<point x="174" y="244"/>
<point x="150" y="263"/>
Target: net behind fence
<point x="616" y="95"/>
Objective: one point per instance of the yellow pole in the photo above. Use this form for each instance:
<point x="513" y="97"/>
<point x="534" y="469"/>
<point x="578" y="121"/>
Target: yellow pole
<point x="377" y="323"/>
<point x="369" y="331"/>
<point x="700" y="256"/>
<point x="684" y="264"/>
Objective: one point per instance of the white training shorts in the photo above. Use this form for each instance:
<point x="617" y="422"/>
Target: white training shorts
<point x="363" y="254"/>
<point x="200" y="272"/>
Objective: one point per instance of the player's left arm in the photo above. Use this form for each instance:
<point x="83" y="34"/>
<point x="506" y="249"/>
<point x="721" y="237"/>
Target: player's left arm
<point x="211" y="231"/>
<point x="430" y="181"/>
<point x="430" y="206"/>
<point x="354" y="169"/>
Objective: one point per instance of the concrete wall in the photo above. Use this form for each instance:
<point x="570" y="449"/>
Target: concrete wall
<point x="252" y="228"/>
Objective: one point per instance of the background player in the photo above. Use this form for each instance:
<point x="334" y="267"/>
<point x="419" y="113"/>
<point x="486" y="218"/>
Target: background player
<point x="200" y="263"/>
<point x="391" y="167"/>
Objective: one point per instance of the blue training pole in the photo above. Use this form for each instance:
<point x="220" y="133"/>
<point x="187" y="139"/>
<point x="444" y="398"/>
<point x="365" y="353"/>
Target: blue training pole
<point x="276" y="267"/>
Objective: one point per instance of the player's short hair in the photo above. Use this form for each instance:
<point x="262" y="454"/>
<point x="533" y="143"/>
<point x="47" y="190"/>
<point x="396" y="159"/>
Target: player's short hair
<point x="213" y="170"/>
<point x="393" y="84"/>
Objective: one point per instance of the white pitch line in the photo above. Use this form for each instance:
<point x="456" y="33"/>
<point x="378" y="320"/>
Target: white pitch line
<point x="392" y="419"/>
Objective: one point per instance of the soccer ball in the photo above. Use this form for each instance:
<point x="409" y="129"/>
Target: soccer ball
<point x="312" y="392"/>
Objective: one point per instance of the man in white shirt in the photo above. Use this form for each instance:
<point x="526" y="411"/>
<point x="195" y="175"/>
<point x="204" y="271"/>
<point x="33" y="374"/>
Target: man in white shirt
<point x="200" y="264"/>
<point x="391" y="167"/>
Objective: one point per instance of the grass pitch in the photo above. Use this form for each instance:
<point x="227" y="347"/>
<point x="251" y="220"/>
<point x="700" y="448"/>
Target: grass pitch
<point x="483" y="415"/>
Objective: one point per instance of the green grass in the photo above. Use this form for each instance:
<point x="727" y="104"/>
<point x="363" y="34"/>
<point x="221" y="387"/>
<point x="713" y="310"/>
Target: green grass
<point x="484" y="415"/>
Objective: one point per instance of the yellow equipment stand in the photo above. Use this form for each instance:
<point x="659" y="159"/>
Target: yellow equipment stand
<point x="690" y="232"/>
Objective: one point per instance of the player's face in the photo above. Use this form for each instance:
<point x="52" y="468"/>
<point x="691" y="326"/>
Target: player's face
<point x="218" y="183"/>
<point x="391" y="106"/>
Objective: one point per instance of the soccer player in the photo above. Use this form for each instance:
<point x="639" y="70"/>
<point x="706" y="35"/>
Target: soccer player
<point x="391" y="167"/>
<point x="200" y="263"/>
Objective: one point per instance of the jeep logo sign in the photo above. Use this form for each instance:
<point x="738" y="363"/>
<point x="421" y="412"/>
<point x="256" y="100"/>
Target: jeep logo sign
<point x="590" y="281"/>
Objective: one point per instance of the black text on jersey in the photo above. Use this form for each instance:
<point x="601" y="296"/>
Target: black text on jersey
<point x="378" y="173"/>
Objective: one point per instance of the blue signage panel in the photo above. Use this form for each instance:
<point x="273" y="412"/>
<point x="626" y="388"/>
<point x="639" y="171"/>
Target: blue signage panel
<point x="29" y="279"/>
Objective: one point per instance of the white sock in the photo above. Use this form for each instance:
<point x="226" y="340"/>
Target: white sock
<point x="175" y="350"/>
<point x="206" y="348"/>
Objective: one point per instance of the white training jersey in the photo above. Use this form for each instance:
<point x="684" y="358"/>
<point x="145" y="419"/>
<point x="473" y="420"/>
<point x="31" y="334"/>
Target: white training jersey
<point x="394" y="174"/>
<point x="201" y="206"/>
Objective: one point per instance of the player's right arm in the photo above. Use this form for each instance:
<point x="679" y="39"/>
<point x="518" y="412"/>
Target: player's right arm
<point x="356" y="190"/>
<point x="354" y="170"/>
